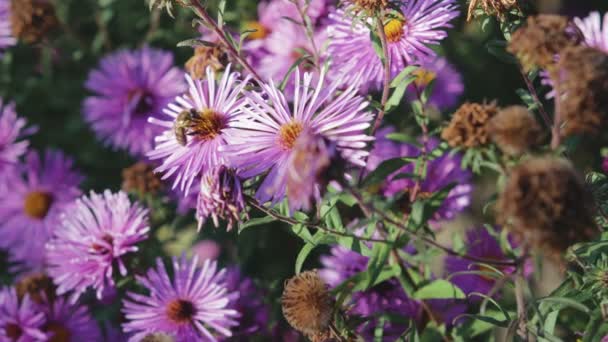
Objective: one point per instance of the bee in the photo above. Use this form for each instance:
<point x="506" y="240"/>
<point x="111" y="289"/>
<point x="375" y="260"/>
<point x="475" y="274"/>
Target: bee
<point x="182" y="123"/>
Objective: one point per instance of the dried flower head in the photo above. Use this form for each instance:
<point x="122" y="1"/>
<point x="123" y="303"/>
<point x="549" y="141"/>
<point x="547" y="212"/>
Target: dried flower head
<point x="38" y="286"/>
<point x="206" y="56"/>
<point x="468" y="127"/>
<point x="582" y="82"/>
<point x="514" y="129"/>
<point x="158" y="337"/>
<point x="544" y="36"/>
<point x="491" y="7"/>
<point x="596" y="278"/>
<point x="220" y="196"/>
<point x="545" y="204"/>
<point x="369" y="6"/>
<point x="31" y="20"/>
<point x="140" y="178"/>
<point x="165" y="5"/>
<point x="307" y="304"/>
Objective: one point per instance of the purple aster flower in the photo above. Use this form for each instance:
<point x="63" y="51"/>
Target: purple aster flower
<point x="254" y="313"/>
<point x="221" y="196"/>
<point x="270" y="127"/>
<point x="447" y="86"/>
<point x="194" y="306"/>
<point x="418" y="23"/>
<point x="70" y="322"/>
<point x="29" y="213"/>
<point x="201" y="119"/>
<point x="6" y="31"/>
<point x="20" y="321"/>
<point x="94" y="234"/>
<point x="129" y="87"/>
<point x="207" y="249"/>
<point x="595" y="30"/>
<point x="480" y="243"/>
<point x="11" y="129"/>
<point x="605" y="164"/>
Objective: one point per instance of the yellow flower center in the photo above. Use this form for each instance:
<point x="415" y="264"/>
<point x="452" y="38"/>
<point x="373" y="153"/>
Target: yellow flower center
<point x="394" y="30"/>
<point x="288" y="134"/>
<point x="207" y="125"/>
<point x="423" y="77"/>
<point x="37" y="204"/>
<point x="261" y="31"/>
<point x="180" y="311"/>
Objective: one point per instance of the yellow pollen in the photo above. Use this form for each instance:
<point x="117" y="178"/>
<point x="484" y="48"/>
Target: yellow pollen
<point x="288" y="134"/>
<point x="207" y="125"/>
<point x="37" y="204"/>
<point x="423" y="77"/>
<point x="260" y="30"/>
<point x="393" y="30"/>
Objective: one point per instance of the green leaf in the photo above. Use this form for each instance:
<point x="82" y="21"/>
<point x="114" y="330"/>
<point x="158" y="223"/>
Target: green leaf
<point x="439" y="289"/>
<point x="380" y="253"/>
<point x="561" y="302"/>
<point x="498" y="48"/>
<point x="383" y="170"/>
<point x="402" y="75"/>
<point x="194" y="42"/>
<point x="256" y="222"/>
<point x="318" y="239"/>
<point x="395" y="99"/>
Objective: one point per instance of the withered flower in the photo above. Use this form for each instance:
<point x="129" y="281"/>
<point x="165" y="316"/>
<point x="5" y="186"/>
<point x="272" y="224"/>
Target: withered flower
<point x="31" y="20"/>
<point x="491" y="7"/>
<point x="38" y="286"/>
<point x="468" y="126"/>
<point x="369" y="5"/>
<point x="158" y="337"/>
<point x="206" y="56"/>
<point x="546" y="205"/>
<point x="140" y="178"/>
<point x="514" y="129"/>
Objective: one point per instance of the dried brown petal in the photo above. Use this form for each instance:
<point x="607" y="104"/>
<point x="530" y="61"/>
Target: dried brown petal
<point x="468" y="125"/>
<point x="205" y="56"/>
<point x="370" y="5"/>
<point x="491" y="7"/>
<point x="157" y="337"/>
<point x="140" y="178"/>
<point x="31" y="20"/>
<point x="514" y="130"/>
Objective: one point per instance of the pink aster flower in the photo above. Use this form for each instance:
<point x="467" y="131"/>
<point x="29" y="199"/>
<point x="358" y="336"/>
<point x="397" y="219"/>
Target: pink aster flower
<point x="266" y="134"/>
<point x="95" y="234"/>
<point x="129" y="87"/>
<point x="595" y="30"/>
<point x="221" y="196"/>
<point x="193" y="305"/>
<point x="40" y="190"/>
<point x="6" y="32"/>
<point x="73" y="320"/>
<point x="203" y="117"/>
<point x="11" y="130"/>
<point x="20" y="321"/>
<point x="418" y="23"/>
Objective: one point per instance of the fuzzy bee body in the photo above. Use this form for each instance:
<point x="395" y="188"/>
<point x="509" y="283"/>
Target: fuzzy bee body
<point x="182" y="124"/>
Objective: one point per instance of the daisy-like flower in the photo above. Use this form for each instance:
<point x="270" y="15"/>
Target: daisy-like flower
<point x="94" y="234"/>
<point x="129" y="87"/>
<point x="221" y="196"/>
<point x="197" y="125"/>
<point x="6" y="32"/>
<point x="595" y="30"/>
<point x="268" y="131"/>
<point x="418" y="23"/>
<point x="70" y="322"/>
<point x="29" y="213"/>
<point x="11" y="130"/>
<point x="447" y="82"/>
<point x="193" y="305"/>
<point x="20" y="321"/>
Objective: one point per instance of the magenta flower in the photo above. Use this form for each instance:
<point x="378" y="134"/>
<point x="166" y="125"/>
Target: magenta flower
<point x="66" y="319"/>
<point x="211" y="108"/>
<point x="194" y="306"/>
<point x="20" y="321"/>
<point x="6" y="31"/>
<point x="264" y="137"/>
<point x="220" y="196"/>
<point x="11" y="130"/>
<point x="29" y="213"/>
<point x="419" y="23"/>
<point x="595" y="30"/>
<point x="129" y="87"/>
<point x="94" y="234"/>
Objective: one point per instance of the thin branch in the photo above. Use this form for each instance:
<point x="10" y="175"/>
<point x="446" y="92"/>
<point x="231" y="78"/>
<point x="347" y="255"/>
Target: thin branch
<point x="200" y="11"/>
<point x="521" y="302"/>
<point x="309" y="32"/>
<point x="539" y="104"/>
<point x="557" y="122"/>
<point x="154" y="24"/>
<point x="387" y="74"/>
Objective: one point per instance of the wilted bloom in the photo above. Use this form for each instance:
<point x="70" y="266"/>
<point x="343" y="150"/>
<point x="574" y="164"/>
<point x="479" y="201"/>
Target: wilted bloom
<point x="205" y="57"/>
<point x="491" y="7"/>
<point x="469" y="125"/>
<point x="29" y="213"/>
<point x="546" y="205"/>
<point x="191" y="306"/>
<point x="38" y="286"/>
<point x="307" y="304"/>
<point x="20" y="321"/>
<point x="419" y="23"/>
<point x="195" y="126"/>
<point x="594" y="30"/>
<point x="268" y="131"/>
<point x="11" y="130"/>
<point x="254" y="313"/>
<point x="7" y="38"/>
<point x="70" y="322"/>
<point x="94" y="235"/>
<point x="471" y="276"/>
<point x="220" y="196"/>
<point x="31" y="20"/>
<point x="128" y="88"/>
<point x="514" y="129"/>
<point x="447" y="82"/>
<point x="141" y="179"/>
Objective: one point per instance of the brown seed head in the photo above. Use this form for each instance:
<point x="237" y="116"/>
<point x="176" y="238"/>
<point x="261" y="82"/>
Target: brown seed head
<point x="205" y="56"/>
<point x="370" y="5"/>
<point x="543" y="37"/>
<point x="157" y="337"/>
<point x="140" y="178"/>
<point x="31" y="20"/>
<point x="468" y="126"/>
<point x="491" y="7"/>
<point x="38" y="286"/>
<point x="582" y="82"/>
<point x="307" y="304"/>
<point x="514" y="130"/>
<point x="545" y="204"/>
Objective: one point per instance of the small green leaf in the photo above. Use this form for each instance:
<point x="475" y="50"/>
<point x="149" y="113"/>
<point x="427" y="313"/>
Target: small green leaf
<point x="383" y="170"/>
<point x="439" y="289"/>
<point x="255" y="222"/>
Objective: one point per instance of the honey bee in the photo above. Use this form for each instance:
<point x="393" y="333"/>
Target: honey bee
<point x="182" y="123"/>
